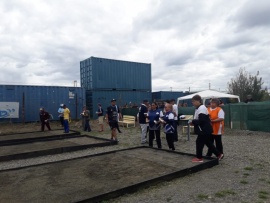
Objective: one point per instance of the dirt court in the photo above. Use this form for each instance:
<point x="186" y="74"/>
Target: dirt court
<point x="90" y="177"/>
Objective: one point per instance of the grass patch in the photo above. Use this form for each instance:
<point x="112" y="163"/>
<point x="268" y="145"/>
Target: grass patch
<point x="248" y="168"/>
<point x="224" y="193"/>
<point x="244" y="182"/>
<point x="268" y="182"/>
<point x="246" y="174"/>
<point x="236" y="171"/>
<point x="262" y="179"/>
<point x="202" y="196"/>
<point x="263" y="194"/>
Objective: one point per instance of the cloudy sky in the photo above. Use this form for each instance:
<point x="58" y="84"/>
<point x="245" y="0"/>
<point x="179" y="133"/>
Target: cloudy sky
<point x="190" y="43"/>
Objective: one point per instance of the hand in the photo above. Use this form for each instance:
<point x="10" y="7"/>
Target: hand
<point x="189" y="122"/>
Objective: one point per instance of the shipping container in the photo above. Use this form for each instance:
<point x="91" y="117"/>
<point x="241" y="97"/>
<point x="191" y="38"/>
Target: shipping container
<point x="167" y="95"/>
<point x="109" y="74"/>
<point x="123" y="99"/>
<point x="32" y="98"/>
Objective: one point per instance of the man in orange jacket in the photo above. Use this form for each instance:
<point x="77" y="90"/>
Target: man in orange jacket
<point x="217" y="120"/>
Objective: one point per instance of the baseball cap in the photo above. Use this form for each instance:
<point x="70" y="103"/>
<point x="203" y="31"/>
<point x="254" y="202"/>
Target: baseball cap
<point x="61" y="105"/>
<point x="113" y="100"/>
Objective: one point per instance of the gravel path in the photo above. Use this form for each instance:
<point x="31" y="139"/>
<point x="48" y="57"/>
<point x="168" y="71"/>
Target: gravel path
<point x="242" y="176"/>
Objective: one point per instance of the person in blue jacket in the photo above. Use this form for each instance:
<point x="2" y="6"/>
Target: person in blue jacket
<point x="168" y="121"/>
<point x="154" y="124"/>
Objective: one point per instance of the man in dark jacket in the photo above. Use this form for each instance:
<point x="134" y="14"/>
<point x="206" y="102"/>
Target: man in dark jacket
<point x="44" y="117"/>
<point x="203" y="128"/>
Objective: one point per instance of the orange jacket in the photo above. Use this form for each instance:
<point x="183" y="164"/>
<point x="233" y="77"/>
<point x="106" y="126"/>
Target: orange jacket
<point x="213" y="113"/>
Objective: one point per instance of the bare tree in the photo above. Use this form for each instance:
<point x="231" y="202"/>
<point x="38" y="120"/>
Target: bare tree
<point x="245" y="84"/>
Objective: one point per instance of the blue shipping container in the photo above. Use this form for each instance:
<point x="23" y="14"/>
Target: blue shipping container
<point x="31" y="98"/>
<point x="123" y="99"/>
<point x="167" y="95"/>
<point x="109" y="74"/>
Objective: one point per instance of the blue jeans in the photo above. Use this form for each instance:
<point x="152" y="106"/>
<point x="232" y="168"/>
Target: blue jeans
<point x="66" y="126"/>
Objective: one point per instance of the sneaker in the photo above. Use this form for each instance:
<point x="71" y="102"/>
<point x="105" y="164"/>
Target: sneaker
<point x="197" y="160"/>
<point x="220" y="157"/>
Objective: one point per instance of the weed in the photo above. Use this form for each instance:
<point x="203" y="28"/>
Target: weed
<point x="248" y="168"/>
<point x="244" y="182"/>
<point x="262" y="179"/>
<point x="223" y="193"/>
<point x="202" y="196"/>
<point x="263" y="194"/>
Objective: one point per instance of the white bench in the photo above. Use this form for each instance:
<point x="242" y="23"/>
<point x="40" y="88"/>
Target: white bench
<point x="127" y="120"/>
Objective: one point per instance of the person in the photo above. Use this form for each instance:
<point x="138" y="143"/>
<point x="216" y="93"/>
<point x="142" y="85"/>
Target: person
<point x="203" y="129"/>
<point x="249" y="99"/>
<point x="112" y="118"/>
<point x="142" y="120"/>
<point x="100" y="117"/>
<point x="67" y="117"/>
<point x="154" y="124"/>
<point x="168" y="121"/>
<point x="86" y="119"/>
<point x="175" y="112"/>
<point x="217" y="120"/>
<point x="61" y="116"/>
<point x="44" y="117"/>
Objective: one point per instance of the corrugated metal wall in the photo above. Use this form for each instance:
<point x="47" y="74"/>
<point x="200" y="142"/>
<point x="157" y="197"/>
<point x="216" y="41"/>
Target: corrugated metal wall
<point x="123" y="98"/>
<point x="167" y="95"/>
<point x="109" y="74"/>
<point x="49" y="97"/>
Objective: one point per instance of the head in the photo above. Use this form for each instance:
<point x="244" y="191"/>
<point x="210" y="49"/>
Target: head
<point x="168" y="107"/>
<point x="61" y="105"/>
<point x="154" y="106"/>
<point x="84" y="108"/>
<point x="196" y="100"/>
<point x="113" y="102"/>
<point x="214" y="103"/>
<point x="172" y="102"/>
<point x="64" y="106"/>
<point x="99" y="105"/>
<point x="41" y="109"/>
<point x="145" y="101"/>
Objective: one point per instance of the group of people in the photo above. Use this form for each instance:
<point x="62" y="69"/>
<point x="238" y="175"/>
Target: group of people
<point x="208" y="125"/>
<point x="151" y="118"/>
<point x="64" y="115"/>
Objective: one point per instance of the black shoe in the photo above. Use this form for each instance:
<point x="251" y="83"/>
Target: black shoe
<point x="120" y="131"/>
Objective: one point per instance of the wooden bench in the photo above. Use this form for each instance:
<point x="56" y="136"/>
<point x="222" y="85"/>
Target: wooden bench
<point x="127" y="120"/>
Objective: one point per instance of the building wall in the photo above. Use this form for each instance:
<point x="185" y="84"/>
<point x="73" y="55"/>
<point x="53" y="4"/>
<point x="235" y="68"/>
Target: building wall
<point x="109" y="74"/>
<point x="31" y="98"/>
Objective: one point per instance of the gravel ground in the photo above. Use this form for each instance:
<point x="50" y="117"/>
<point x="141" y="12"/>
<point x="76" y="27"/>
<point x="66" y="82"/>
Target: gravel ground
<point x="242" y="176"/>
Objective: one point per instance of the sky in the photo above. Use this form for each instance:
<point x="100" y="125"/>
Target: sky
<point x="191" y="44"/>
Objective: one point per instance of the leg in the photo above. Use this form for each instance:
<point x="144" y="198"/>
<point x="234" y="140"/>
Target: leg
<point x="175" y="132"/>
<point x="211" y="140"/>
<point x="211" y="145"/>
<point x="170" y="140"/>
<point x="158" y="138"/>
<point x="65" y="125"/>
<point x="199" y="146"/>
<point x="151" y="136"/>
<point x="218" y="141"/>
<point x="143" y="134"/>
<point x="48" y="125"/>
<point x="42" y="125"/>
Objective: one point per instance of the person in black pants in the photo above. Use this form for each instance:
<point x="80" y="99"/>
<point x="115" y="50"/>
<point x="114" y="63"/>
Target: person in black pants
<point x="203" y="128"/>
<point x="168" y="121"/>
<point x="153" y="116"/>
<point x="44" y="117"/>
